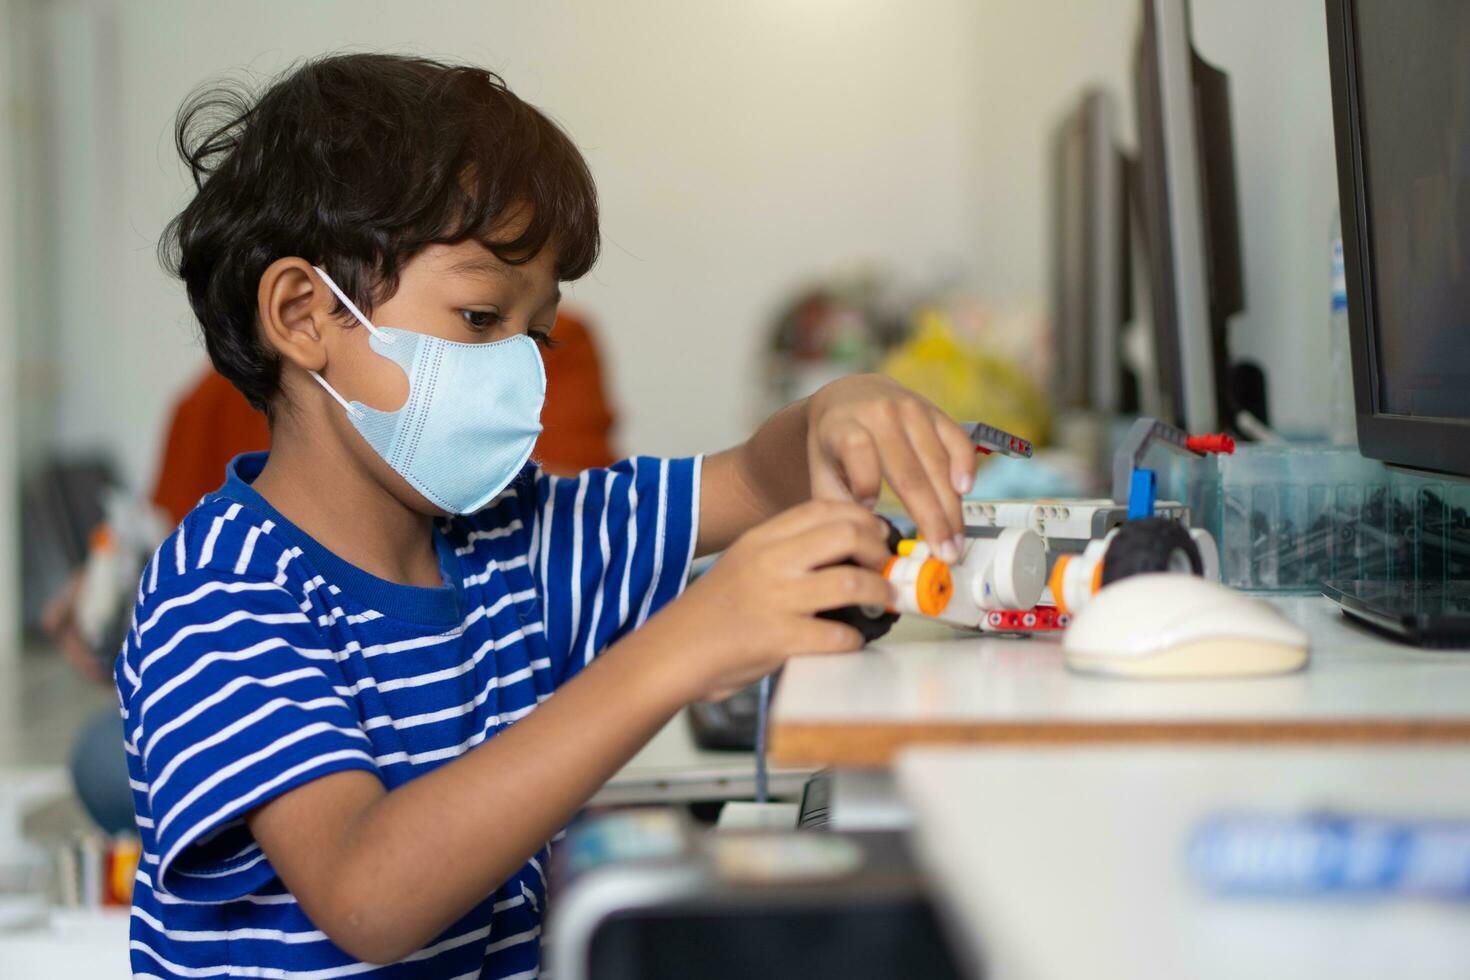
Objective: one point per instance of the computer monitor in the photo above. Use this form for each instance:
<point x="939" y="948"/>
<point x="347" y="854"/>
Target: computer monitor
<point x="1401" y="111"/>
<point x="1191" y="224"/>
<point x="1091" y="299"/>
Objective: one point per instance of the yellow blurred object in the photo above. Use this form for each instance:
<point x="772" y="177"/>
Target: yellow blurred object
<point x="968" y="382"/>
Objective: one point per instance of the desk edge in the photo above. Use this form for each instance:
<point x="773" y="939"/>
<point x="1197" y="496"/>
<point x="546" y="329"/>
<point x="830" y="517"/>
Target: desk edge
<point x="872" y="745"/>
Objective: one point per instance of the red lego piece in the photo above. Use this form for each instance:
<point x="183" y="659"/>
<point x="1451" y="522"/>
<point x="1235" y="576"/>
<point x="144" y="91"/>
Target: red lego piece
<point x="1215" y="442"/>
<point x="1041" y="619"/>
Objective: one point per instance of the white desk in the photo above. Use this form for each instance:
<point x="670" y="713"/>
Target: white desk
<point x="949" y="687"/>
<point x="672" y="769"/>
<point x="1059" y="863"/>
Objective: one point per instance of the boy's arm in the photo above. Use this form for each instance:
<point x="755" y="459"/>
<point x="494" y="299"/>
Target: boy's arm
<point x="382" y="873"/>
<point x="841" y="444"/>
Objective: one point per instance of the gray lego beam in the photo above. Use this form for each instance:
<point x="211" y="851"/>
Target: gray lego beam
<point x="993" y="440"/>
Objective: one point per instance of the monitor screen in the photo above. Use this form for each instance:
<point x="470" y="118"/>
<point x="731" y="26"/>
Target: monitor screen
<point x="1413" y="85"/>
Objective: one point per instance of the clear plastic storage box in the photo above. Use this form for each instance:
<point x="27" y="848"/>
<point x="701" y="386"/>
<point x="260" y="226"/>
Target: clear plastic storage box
<point x="1290" y="518"/>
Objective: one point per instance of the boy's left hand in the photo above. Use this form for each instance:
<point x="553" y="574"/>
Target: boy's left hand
<point x="867" y="428"/>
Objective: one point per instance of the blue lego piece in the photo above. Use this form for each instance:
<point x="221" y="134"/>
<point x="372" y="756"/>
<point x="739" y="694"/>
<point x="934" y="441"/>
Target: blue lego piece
<point x="1141" y="491"/>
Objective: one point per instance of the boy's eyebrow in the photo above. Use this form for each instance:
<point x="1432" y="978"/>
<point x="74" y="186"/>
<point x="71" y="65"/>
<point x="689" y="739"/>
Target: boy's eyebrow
<point x="480" y="266"/>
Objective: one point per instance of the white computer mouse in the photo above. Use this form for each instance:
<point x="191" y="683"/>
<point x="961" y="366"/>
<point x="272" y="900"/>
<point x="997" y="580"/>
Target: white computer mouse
<point x="1173" y="625"/>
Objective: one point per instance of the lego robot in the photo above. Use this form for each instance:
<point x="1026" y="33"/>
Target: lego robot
<point x="1029" y="565"/>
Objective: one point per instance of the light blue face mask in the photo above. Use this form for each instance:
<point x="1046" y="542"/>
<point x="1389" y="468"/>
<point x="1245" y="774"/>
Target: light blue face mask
<point x="472" y="415"/>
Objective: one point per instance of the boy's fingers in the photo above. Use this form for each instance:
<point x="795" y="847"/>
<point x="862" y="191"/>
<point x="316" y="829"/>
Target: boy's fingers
<point x="862" y="541"/>
<point x="843" y="585"/>
<point x="826" y="481"/>
<point x="813" y="513"/>
<point x="817" y="636"/>
<point x="906" y="474"/>
<point x="853" y="448"/>
<point x="960" y="449"/>
<point x="919" y="424"/>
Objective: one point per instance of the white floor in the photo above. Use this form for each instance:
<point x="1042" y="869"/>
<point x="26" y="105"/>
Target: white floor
<point x="43" y="705"/>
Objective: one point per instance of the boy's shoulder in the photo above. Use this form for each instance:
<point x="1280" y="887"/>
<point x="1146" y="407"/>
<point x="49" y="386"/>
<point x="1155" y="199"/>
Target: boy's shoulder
<point x="220" y="538"/>
<point x="225" y="570"/>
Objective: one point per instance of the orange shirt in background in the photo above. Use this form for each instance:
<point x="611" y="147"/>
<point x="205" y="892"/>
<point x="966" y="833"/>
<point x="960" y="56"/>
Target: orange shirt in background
<point x="214" y="423"/>
<point x="577" y="421"/>
<point x="211" y="425"/>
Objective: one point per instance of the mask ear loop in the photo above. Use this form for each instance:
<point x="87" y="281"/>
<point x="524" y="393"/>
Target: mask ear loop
<point x="351" y="410"/>
<point x="361" y="318"/>
<point x="352" y="307"/>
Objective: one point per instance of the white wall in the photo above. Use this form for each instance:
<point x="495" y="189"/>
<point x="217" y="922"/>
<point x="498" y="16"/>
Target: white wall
<point x="1276" y="53"/>
<point x="1036" y="55"/>
<point x="10" y="129"/>
<point x="738" y="148"/>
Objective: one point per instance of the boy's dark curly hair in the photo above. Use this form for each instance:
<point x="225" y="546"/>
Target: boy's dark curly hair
<point x="356" y="162"/>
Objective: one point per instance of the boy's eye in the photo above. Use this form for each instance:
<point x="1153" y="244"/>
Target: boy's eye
<point x="479" y="320"/>
<point x="543" y="338"/>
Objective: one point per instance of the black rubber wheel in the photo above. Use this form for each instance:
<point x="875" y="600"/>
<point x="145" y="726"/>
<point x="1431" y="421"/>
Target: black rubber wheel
<point x="871" y="626"/>
<point x="872" y="623"/>
<point x="1153" y="544"/>
<point x="893" y="536"/>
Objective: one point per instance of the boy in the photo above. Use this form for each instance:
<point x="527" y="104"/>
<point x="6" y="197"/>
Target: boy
<point x="328" y="689"/>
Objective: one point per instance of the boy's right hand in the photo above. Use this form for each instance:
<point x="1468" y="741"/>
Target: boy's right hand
<point x="757" y="604"/>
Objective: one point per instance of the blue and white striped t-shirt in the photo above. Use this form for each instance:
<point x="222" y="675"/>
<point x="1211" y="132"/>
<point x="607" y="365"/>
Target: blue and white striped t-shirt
<point x="259" y="661"/>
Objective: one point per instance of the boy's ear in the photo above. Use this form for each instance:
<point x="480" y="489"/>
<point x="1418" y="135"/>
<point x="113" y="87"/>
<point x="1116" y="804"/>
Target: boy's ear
<point x="295" y="308"/>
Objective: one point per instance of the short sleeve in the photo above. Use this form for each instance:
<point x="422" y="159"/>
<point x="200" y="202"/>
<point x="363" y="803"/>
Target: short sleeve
<point x="230" y="697"/>
<point x="611" y="547"/>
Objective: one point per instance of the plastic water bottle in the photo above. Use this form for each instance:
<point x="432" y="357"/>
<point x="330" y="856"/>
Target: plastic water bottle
<point x="1343" y="417"/>
<point x="99" y="595"/>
